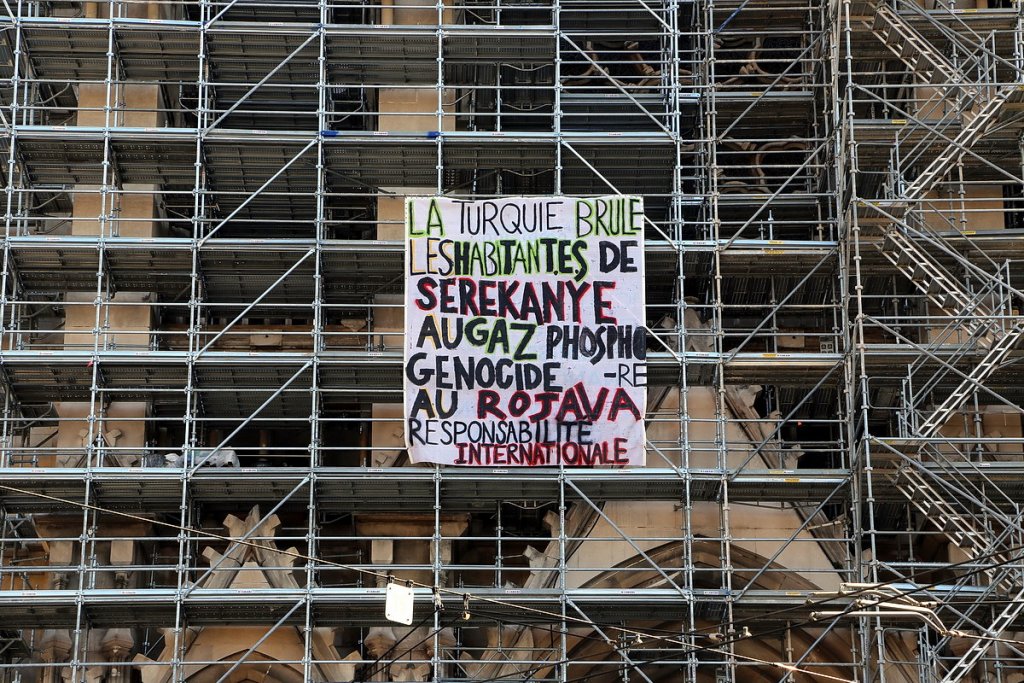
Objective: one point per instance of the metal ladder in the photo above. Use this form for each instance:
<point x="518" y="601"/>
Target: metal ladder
<point x="988" y="365"/>
<point x="977" y="120"/>
<point x="1006" y="618"/>
<point x="959" y="529"/>
<point x="933" y="505"/>
<point x="1003" y="575"/>
<point x="927" y="274"/>
<point x="976" y="108"/>
<point x="914" y="50"/>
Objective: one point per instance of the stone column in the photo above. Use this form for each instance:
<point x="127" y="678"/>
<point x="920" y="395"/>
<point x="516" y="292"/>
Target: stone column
<point x="125" y="319"/>
<point x="401" y="111"/>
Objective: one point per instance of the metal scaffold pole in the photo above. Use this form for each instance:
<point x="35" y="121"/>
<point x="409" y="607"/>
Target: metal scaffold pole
<point x="208" y="470"/>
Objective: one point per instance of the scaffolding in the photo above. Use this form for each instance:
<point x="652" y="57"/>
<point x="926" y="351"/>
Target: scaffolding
<point x="202" y="470"/>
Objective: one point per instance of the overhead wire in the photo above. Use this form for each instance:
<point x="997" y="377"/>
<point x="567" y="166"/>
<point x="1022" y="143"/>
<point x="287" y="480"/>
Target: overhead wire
<point x="577" y="620"/>
<point x="384" y="575"/>
<point x="619" y="650"/>
<point x="378" y="574"/>
<point x="338" y="565"/>
<point x="717" y="649"/>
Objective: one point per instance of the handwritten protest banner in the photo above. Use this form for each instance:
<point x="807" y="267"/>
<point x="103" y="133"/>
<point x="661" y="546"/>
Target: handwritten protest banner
<point x="524" y="327"/>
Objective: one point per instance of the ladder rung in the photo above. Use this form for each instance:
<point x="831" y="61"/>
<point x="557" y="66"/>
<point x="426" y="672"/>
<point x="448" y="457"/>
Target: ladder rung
<point x="878" y="21"/>
<point x="961" y="541"/>
<point x="935" y="286"/>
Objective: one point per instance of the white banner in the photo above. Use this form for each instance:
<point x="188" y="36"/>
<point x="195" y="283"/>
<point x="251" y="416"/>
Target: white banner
<point x="524" y="331"/>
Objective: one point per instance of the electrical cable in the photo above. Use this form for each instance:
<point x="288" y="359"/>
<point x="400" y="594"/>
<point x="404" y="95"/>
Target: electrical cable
<point x="297" y="555"/>
<point x="384" y="575"/>
<point x="520" y="674"/>
<point x="567" y="618"/>
<point x="717" y="648"/>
